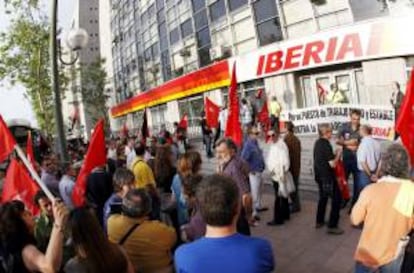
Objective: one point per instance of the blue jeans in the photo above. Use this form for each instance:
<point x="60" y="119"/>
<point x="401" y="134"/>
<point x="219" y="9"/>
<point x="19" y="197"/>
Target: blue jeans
<point x="392" y="267"/>
<point x="351" y="167"/>
<point x="362" y="180"/>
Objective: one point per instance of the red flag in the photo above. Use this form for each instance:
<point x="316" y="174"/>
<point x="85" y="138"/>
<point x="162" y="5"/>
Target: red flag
<point x="144" y="128"/>
<point x="29" y="148"/>
<point x="212" y="113"/>
<point x="124" y="130"/>
<point x="321" y="93"/>
<point x="183" y="122"/>
<point x="19" y="185"/>
<point x="259" y="93"/>
<point x="405" y="122"/>
<point x="342" y="181"/>
<point x="7" y="141"/>
<point x="95" y="157"/>
<point x="264" y="117"/>
<point x="233" y="127"/>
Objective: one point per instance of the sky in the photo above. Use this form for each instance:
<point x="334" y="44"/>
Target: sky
<point x="13" y="103"/>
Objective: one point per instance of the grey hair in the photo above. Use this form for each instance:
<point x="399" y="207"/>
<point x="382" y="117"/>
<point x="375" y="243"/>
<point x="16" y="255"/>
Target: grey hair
<point x="367" y="128"/>
<point x="395" y="162"/>
<point x="323" y="127"/>
<point x="137" y="203"/>
<point x="230" y="144"/>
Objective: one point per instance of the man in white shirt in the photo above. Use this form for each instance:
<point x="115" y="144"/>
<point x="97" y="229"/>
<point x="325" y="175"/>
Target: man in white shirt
<point x="246" y="115"/>
<point x="130" y="152"/>
<point x="223" y="119"/>
<point x="368" y="156"/>
<point x="67" y="183"/>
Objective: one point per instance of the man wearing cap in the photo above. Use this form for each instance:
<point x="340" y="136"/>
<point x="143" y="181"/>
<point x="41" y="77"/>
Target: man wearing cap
<point x="253" y="155"/>
<point x="147" y="243"/>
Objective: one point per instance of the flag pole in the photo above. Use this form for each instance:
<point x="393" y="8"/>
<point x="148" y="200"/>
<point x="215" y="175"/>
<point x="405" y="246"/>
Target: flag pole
<point x="32" y="171"/>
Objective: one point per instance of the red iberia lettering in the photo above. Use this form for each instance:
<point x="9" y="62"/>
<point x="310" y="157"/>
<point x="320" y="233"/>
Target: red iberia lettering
<point x="292" y="54"/>
<point x="260" y="65"/>
<point x="351" y="44"/>
<point x="274" y="62"/>
<point x="312" y="51"/>
<point x="330" y="52"/>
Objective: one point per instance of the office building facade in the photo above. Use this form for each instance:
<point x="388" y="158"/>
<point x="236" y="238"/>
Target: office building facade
<point x="168" y="55"/>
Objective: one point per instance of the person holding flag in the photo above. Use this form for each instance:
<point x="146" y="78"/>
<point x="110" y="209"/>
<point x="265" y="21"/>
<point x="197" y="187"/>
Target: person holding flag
<point x="207" y="135"/>
<point x="212" y="116"/>
<point x="233" y="127"/>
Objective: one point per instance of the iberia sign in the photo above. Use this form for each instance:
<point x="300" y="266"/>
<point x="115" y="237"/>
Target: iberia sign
<point x="376" y="39"/>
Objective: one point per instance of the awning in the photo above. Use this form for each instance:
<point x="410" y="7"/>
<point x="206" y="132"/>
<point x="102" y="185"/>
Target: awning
<point x="208" y="78"/>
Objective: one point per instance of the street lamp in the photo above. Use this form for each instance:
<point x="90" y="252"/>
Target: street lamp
<point x="76" y="42"/>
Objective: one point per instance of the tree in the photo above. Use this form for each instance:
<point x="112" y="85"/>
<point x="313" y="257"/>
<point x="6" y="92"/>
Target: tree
<point x="93" y="92"/>
<point x="24" y="58"/>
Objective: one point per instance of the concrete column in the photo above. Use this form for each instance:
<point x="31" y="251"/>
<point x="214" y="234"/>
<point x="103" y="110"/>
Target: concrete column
<point x="173" y="113"/>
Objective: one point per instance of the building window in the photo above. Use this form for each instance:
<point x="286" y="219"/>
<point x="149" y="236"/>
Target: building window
<point x="187" y="28"/>
<point x="235" y="4"/>
<point x="200" y="19"/>
<point x="198" y="4"/>
<point x="264" y="9"/>
<point x="267" y="21"/>
<point x="269" y="32"/>
<point x="147" y="54"/>
<point x="160" y="4"/>
<point x="204" y="56"/>
<point x="158" y="114"/>
<point x="217" y="10"/>
<point x="203" y="37"/>
<point x="174" y="36"/>
<point x="192" y="107"/>
<point x="365" y="9"/>
<point x="163" y="43"/>
<point x="154" y="50"/>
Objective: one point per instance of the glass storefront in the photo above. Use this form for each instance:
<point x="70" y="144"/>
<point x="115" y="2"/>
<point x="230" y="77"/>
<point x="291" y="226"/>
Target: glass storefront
<point x="343" y="86"/>
<point x="158" y="115"/>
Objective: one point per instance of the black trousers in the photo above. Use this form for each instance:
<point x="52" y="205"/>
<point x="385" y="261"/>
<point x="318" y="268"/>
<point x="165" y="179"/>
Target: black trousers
<point x="281" y="210"/>
<point x="336" y="200"/>
<point x="408" y="262"/>
<point x="243" y="226"/>
<point x="295" y="195"/>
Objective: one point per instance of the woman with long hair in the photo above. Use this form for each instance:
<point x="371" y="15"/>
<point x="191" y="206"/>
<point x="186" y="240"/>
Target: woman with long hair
<point x="188" y="164"/>
<point x="164" y="170"/>
<point x="94" y="253"/>
<point x="18" y="242"/>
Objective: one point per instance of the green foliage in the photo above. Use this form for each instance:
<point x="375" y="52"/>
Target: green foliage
<point x="94" y="95"/>
<point x="25" y="60"/>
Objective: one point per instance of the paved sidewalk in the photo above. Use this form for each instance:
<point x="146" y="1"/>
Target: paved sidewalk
<point x="299" y="247"/>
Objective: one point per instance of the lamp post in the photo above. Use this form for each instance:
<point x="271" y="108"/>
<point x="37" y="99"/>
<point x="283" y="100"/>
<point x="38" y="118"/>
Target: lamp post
<point x="76" y="41"/>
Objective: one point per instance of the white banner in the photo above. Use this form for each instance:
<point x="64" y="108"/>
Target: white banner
<point x="384" y="37"/>
<point x="306" y="120"/>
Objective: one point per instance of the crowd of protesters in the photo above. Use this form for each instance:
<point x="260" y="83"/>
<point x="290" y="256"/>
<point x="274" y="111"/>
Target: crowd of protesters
<point x="151" y="210"/>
